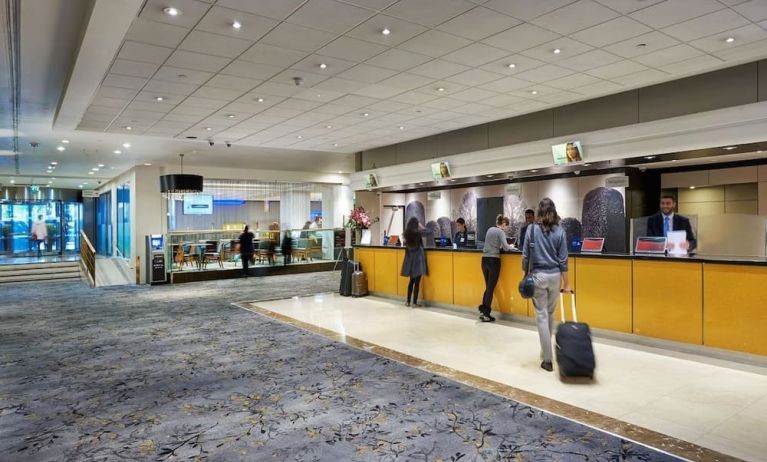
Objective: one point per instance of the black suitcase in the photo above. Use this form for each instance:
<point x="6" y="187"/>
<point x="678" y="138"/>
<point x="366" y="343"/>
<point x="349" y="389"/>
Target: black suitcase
<point x="575" y="353"/>
<point x="347" y="268"/>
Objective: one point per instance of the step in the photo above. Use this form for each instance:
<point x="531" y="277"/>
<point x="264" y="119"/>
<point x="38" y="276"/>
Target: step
<point x="35" y="266"/>
<point x="71" y="276"/>
<point x="41" y="270"/>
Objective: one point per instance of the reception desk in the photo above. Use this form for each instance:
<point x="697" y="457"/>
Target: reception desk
<point x="699" y="300"/>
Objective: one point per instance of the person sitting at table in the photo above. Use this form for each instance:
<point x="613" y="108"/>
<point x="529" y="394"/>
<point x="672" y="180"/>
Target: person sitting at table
<point x="665" y="221"/>
<point x="246" y="249"/>
<point x="305" y="234"/>
<point x="460" y="235"/>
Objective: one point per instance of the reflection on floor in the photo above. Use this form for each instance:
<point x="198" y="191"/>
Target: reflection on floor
<point x="178" y="373"/>
<point x="27" y="259"/>
<point x="718" y="405"/>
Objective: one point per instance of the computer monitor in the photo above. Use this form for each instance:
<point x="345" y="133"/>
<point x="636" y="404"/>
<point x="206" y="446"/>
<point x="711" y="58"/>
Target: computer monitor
<point x="443" y="241"/>
<point x="471" y="239"/>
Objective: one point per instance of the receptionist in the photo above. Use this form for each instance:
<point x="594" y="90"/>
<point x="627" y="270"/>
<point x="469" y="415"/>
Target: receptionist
<point x="460" y="236"/>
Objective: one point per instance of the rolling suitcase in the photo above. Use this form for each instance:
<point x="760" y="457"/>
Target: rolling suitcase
<point x="575" y="353"/>
<point x="359" y="282"/>
<point x="347" y="268"/>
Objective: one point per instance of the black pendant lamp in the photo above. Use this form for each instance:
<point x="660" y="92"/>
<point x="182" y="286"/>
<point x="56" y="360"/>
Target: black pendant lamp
<point x="180" y="183"/>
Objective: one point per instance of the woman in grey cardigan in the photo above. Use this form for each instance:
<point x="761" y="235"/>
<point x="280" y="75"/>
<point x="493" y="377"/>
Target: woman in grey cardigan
<point x="414" y="264"/>
<point x="549" y="271"/>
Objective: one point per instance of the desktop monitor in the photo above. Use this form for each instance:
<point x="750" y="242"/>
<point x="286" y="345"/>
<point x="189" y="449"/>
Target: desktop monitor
<point x="567" y="153"/>
<point x="443" y="242"/>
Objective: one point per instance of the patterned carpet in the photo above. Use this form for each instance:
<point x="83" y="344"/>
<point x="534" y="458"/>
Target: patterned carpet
<point x="177" y="373"/>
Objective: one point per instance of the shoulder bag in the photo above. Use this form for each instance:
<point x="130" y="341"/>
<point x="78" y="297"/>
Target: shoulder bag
<point x="527" y="285"/>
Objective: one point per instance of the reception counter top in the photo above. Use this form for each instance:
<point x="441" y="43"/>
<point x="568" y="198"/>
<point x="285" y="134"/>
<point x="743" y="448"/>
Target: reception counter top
<point x="704" y="300"/>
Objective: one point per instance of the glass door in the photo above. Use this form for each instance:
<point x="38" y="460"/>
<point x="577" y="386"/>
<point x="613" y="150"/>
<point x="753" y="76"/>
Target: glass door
<point x="73" y="219"/>
<point x="50" y="214"/>
<point x="6" y="229"/>
<point x="104" y="224"/>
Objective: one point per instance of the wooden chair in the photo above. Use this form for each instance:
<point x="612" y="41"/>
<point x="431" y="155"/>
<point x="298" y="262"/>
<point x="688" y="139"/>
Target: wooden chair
<point x="265" y="251"/>
<point x="212" y="253"/>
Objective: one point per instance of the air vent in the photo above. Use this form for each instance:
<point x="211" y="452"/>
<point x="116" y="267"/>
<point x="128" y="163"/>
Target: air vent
<point x="191" y="137"/>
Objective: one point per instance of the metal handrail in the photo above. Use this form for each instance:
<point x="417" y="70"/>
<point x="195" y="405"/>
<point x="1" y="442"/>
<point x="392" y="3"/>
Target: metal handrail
<point x="87" y="259"/>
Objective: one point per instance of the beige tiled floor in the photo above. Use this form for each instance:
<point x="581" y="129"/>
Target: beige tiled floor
<point x="722" y="407"/>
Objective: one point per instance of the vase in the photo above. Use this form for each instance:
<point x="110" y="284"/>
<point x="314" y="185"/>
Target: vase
<point x="357" y="236"/>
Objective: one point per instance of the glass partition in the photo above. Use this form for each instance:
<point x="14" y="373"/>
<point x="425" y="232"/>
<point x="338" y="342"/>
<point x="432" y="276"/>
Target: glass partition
<point x="17" y="221"/>
<point x="215" y="250"/>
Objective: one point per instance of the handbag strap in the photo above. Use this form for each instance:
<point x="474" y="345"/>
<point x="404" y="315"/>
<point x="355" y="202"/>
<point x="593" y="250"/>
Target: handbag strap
<point x="531" y="246"/>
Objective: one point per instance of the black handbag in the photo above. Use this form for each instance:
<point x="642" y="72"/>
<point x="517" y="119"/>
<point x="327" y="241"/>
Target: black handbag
<point x="527" y="285"/>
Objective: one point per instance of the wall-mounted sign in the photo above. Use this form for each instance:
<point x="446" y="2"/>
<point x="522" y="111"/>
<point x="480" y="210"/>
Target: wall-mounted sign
<point x="90" y="193"/>
<point x="513" y="189"/>
<point x="617" y="182"/>
<point x="567" y="153"/>
<point x="440" y="170"/>
<point x="434" y="195"/>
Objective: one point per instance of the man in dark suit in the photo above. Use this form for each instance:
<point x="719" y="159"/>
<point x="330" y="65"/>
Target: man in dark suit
<point x="529" y="218"/>
<point x="660" y="224"/>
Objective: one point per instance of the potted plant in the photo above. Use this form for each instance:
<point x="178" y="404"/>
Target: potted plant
<point x="358" y="220"/>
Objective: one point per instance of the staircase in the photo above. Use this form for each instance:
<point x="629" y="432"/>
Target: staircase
<point x="37" y="272"/>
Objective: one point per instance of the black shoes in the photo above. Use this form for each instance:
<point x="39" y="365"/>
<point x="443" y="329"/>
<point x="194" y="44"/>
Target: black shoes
<point x="486" y="318"/>
<point x="546" y="365"/>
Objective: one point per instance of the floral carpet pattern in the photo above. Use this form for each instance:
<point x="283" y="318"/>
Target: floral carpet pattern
<point x="178" y="373"/>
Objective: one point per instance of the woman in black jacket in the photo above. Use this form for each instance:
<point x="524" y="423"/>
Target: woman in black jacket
<point x="414" y="265"/>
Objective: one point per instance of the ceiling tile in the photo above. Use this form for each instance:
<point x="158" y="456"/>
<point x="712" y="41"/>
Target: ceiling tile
<point x="401" y="31"/>
<point x="617" y="69"/>
<point x="703" y="26"/>
<point x="674" y="11"/>
<point x="351" y="49"/>
<point x="648" y="76"/>
<point x="590" y="60"/>
<point x="475" y="55"/>
<point x="399" y="60"/>
<point x="434" y="43"/>
<point x="124" y="81"/>
<point x="662" y="58"/>
<point x="414" y="97"/>
<point x="474" y="108"/>
<point x="754" y="10"/>
<point x="478" y="23"/>
<point x="122" y="94"/>
<point x="165" y="88"/>
<point x="329" y="15"/>
<point x="520" y="38"/>
<point x="690" y="66"/>
<point x="219" y="21"/>
<point x="176" y="74"/>
<point x="367" y="73"/>
<point x="372" y="4"/>
<point x="612" y="31"/>
<point x="526" y="10"/>
<point x="247" y="69"/>
<point x="407" y="81"/>
<point x="114" y="103"/>
<point x="191" y="12"/>
<point x="181" y="119"/>
<point x="628" y="6"/>
<point x="750" y="51"/>
<point x="155" y="33"/>
<point x="333" y="65"/>
<point x="378" y="90"/>
<point x="133" y="68"/>
<point x="652" y="41"/>
<point x="272" y="55"/>
<point x="600" y="88"/>
<point x="196" y="61"/>
<point x="506" y="84"/>
<point x="742" y="36"/>
<point x="430" y="13"/>
<point x="142" y="52"/>
<point x="574" y="17"/>
<point x="205" y="103"/>
<point x="276" y="89"/>
<point x="573" y="81"/>
<point x="355" y="101"/>
<point x="544" y="73"/>
<point x="297" y="37"/>
<point x="214" y="44"/>
<point x="546" y="53"/>
<point x="232" y="82"/>
<point x="276" y="9"/>
<point x="303" y="104"/>
<point x="474" y="77"/>
<point x="502" y="100"/>
<point x="320" y="96"/>
<point x="473" y="94"/>
<point x="438" y="69"/>
<point x="446" y="104"/>
<point x="186" y="110"/>
<point x="309" y="79"/>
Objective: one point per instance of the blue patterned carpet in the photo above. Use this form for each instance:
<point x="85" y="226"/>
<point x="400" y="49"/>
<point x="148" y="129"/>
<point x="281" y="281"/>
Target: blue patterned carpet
<point x="177" y="373"/>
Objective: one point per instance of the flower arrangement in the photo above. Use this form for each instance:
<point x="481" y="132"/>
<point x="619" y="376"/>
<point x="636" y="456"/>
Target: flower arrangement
<point x="359" y="219"/>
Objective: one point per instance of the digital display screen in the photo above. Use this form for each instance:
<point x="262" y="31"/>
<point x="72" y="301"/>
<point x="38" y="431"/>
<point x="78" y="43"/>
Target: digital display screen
<point x="198" y="204"/>
<point x="440" y="170"/>
<point x="567" y="153"/>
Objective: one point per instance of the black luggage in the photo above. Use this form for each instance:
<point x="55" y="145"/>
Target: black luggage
<point x="347" y="268"/>
<point x="575" y="353"/>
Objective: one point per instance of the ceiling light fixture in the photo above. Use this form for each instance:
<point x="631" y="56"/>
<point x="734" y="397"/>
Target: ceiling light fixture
<point x="117" y="151"/>
<point x="556" y="51"/>
<point x="534" y="171"/>
<point x="128" y="127"/>
<point x="300" y="137"/>
<point x="328" y="126"/>
<point x="101" y="165"/>
<point x="729" y="39"/>
<point x="692" y="187"/>
<point x="365" y="114"/>
<point x="180" y="183"/>
<point x="90" y="173"/>
<point x="13" y="181"/>
<point x="236" y="24"/>
<point x="54" y="163"/>
<point x="386" y="31"/>
<point x="649" y="157"/>
<point x="534" y="92"/>
<point x="60" y="148"/>
<point x="730" y="148"/>
<point x="159" y="98"/>
<point x="65" y="141"/>
<point x="511" y="66"/>
<point x="230" y="116"/>
<point x="49" y="171"/>
<point x="126" y="145"/>
<point x="323" y="66"/>
<point x="95" y="169"/>
<point x="147" y="164"/>
<point x="335" y="145"/>
<point x="441" y="89"/>
<point x="170" y="11"/>
<point x="401" y="127"/>
<point x="260" y="100"/>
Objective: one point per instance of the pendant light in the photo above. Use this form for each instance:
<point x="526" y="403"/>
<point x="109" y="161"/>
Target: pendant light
<point x="180" y="183"/>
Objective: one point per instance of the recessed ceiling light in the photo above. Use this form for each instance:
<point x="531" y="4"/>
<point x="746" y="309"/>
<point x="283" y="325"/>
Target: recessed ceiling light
<point x="556" y="51"/>
<point x="511" y="66"/>
<point x="159" y="98"/>
<point x="323" y="66"/>
<point x="386" y="31"/>
<point x="90" y="173"/>
<point x="401" y="127"/>
<point x="534" y="92"/>
<point x="95" y="169"/>
<point x="441" y="89"/>
<point x="54" y="163"/>
<point x="53" y="178"/>
<point x="147" y="164"/>
<point x="300" y="137"/>
<point x="586" y="165"/>
<point x="673" y="160"/>
<point x="181" y="76"/>
<point x="260" y="100"/>
<point x="365" y="114"/>
<point x="65" y="141"/>
<point x="641" y="45"/>
<point x="340" y="171"/>
<point x="50" y="182"/>
<point x="692" y="187"/>
<point x="170" y="11"/>
<point x="117" y="151"/>
<point x="101" y="165"/>
<point x="730" y="148"/>
<point x="126" y="145"/>
<point x="128" y="127"/>
<point x="453" y="180"/>
<point x="729" y="39"/>
<point x="328" y="126"/>
<point x="534" y="171"/>
<point x="236" y="24"/>
<point x="13" y="181"/>
<point x="759" y="152"/>
<point x="80" y="186"/>
<point x="49" y="171"/>
<point x="60" y="148"/>
<point x="319" y="95"/>
<point x="230" y="116"/>
<point x="649" y="157"/>
<point x="85" y="182"/>
<point x="335" y="145"/>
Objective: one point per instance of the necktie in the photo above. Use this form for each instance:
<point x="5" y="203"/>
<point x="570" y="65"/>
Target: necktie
<point x="666" y="226"/>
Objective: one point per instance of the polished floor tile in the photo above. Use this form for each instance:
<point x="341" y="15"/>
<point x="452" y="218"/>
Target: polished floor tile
<point x="673" y="394"/>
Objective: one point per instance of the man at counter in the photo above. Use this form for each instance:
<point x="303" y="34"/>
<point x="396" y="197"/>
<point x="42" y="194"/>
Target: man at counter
<point x="665" y="221"/>
<point x="495" y="241"/>
<point x="529" y="219"/>
<point x="460" y="236"/>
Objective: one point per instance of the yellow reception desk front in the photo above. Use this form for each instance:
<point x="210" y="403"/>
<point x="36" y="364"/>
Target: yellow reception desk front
<point x="705" y="301"/>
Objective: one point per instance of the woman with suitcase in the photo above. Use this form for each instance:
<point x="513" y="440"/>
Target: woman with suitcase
<point x="549" y="271"/>
<point x="414" y="265"/>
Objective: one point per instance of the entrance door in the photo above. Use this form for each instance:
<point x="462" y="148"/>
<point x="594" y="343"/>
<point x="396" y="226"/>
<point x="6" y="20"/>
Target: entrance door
<point x="104" y="224"/>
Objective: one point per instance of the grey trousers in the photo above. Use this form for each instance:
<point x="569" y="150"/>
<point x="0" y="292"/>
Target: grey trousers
<point x="545" y="301"/>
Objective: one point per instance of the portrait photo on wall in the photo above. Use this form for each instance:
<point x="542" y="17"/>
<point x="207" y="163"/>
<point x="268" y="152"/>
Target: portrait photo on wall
<point x="567" y="153"/>
<point x="440" y="170"/>
<point x="371" y="181"/>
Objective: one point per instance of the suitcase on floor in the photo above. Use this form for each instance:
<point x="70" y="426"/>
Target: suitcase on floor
<point x="347" y="268"/>
<point x="359" y="282"/>
<point x="575" y="352"/>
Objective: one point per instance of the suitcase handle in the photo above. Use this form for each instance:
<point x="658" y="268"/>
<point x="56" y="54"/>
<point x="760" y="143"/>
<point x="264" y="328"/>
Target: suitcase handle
<point x="572" y="306"/>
